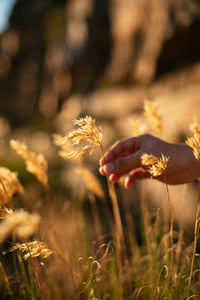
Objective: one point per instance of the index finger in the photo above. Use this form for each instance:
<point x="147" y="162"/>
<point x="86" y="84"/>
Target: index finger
<point x="121" y="148"/>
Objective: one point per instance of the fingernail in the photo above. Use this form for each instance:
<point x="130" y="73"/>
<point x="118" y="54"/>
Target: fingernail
<point x="112" y="178"/>
<point x="108" y="168"/>
<point x="100" y="161"/>
<point x="101" y="171"/>
<point x="126" y="180"/>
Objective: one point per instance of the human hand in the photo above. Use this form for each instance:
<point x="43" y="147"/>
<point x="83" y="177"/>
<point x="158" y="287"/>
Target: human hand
<point x="124" y="158"/>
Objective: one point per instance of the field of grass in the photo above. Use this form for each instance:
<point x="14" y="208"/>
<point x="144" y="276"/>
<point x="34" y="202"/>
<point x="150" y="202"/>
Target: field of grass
<point x="90" y="246"/>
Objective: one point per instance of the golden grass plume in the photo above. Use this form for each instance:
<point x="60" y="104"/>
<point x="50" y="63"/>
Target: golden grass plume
<point x="194" y="142"/>
<point x="32" y="249"/>
<point x="36" y="164"/>
<point x="87" y="132"/>
<point x="138" y="127"/>
<point x="153" y="115"/>
<point x="66" y="149"/>
<point x="156" y="167"/>
<point x="20" y="223"/>
<point x="9" y="185"/>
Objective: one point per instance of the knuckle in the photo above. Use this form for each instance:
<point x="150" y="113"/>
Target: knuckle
<point x="146" y="136"/>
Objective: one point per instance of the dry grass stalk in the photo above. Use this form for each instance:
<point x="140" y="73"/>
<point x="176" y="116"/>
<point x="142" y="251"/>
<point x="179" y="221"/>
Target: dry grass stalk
<point x="9" y="185"/>
<point x="20" y="222"/>
<point x="91" y="182"/>
<point x="153" y="115"/>
<point x="36" y="164"/>
<point x="89" y="132"/>
<point x="75" y="155"/>
<point x="32" y="249"/>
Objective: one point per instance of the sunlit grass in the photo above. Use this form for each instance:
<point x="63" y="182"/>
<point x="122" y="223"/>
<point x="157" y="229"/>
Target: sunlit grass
<point x="51" y="253"/>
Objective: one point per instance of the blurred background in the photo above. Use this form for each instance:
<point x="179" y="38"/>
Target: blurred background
<point x="63" y="59"/>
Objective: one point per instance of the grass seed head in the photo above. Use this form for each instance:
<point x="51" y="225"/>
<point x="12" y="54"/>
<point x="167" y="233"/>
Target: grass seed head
<point x="156" y="167"/>
<point x="87" y="132"/>
<point x="32" y="249"/>
<point x="20" y="222"/>
<point x="153" y="115"/>
<point x="138" y="128"/>
<point x="67" y="151"/>
<point x="194" y="142"/>
<point x="35" y="164"/>
<point x="9" y="185"/>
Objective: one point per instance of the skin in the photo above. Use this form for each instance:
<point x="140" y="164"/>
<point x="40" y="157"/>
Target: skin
<point x="124" y="159"/>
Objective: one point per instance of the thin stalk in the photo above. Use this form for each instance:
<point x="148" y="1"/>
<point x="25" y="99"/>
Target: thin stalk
<point x="30" y="273"/>
<point x="119" y="235"/>
<point x="97" y="222"/>
<point x="5" y="190"/>
<point x="171" y="228"/>
<point x="196" y="234"/>
<point x="147" y="226"/>
<point x="115" y="206"/>
<point x="180" y="235"/>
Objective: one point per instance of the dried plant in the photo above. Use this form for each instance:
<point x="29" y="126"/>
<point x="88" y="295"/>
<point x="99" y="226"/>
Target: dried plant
<point x="66" y="149"/>
<point x="36" y="164"/>
<point x="9" y="185"/>
<point x="153" y="115"/>
<point x="5" y="212"/>
<point x="194" y="142"/>
<point x="87" y="132"/>
<point x="32" y="249"/>
<point x="91" y="182"/>
<point x="20" y="222"/>
<point x="156" y="167"/>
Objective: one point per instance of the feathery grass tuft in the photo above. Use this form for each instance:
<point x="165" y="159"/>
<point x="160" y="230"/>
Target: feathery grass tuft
<point x="153" y="115"/>
<point x="20" y="223"/>
<point x="156" y="167"/>
<point x="9" y="185"/>
<point x="32" y="249"/>
<point x="36" y="164"/>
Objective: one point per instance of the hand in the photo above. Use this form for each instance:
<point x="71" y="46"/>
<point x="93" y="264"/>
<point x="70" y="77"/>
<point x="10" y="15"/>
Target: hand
<point x="124" y="158"/>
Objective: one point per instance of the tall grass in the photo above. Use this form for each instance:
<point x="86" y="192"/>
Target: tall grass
<point x="60" y="253"/>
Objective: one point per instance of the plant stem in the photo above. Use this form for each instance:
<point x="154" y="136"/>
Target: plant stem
<point x="119" y="235"/>
<point x="196" y="234"/>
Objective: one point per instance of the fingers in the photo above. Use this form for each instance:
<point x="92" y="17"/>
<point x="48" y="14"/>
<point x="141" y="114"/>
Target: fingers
<point x="135" y="175"/>
<point x="121" y="148"/>
<point x="122" y="165"/>
<point x="131" y="178"/>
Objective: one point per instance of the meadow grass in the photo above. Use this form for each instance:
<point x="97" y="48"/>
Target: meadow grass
<point x="51" y="253"/>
